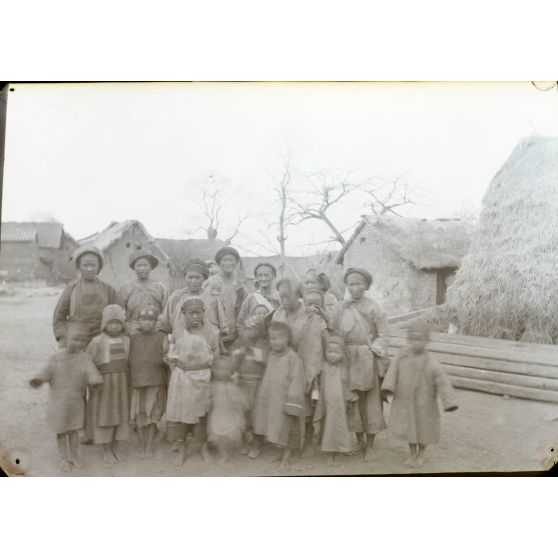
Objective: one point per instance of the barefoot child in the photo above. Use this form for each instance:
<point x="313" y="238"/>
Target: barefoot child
<point x="250" y="355"/>
<point x="330" y="417"/>
<point x="279" y="414"/>
<point x="147" y="378"/>
<point x="226" y="419"/>
<point x="416" y="380"/>
<point x="194" y="349"/>
<point x="110" y="401"/>
<point x="69" y="372"/>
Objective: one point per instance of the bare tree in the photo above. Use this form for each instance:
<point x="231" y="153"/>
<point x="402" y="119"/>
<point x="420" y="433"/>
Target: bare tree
<point x="282" y="190"/>
<point x="326" y="192"/>
<point x="385" y="198"/>
<point x="213" y="202"/>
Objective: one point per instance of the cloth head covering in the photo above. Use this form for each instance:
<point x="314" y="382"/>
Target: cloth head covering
<point x="113" y="312"/>
<point x="264" y="264"/>
<point x="420" y="327"/>
<point x="148" y="313"/>
<point x="82" y="250"/>
<point x="227" y="250"/>
<point x="137" y="254"/>
<point x="198" y="266"/>
<point x="362" y="272"/>
<point x="192" y="302"/>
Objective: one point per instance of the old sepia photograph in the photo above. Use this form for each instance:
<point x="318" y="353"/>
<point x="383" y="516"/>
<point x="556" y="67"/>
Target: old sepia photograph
<point x="278" y="278"/>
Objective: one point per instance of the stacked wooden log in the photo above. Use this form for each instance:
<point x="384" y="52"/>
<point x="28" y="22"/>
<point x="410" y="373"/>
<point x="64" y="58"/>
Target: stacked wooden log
<point x="522" y="370"/>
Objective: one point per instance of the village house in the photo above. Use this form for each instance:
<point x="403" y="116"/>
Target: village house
<point x="36" y="251"/>
<point x="117" y="242"/>
<point x="412" y="261"/>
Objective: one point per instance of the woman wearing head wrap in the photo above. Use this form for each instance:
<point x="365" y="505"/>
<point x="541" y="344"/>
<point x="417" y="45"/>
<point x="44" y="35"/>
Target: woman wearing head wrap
<point x="195" y="272"/>
<point x="233" y="291"/>
<point x="314" y="281"/>
<point x="265" y="295"/>
<point x="193" y="350"/>
<point x="142" y="291"/>
<point x="84" y="298"/>
<point x="363" y="325"/>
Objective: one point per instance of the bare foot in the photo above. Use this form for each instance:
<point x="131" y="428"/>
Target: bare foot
<point x="308" y="452"/>
<point x="332" y="461"/>
<point x="179" y="459"/>
<point x="64" y="465"/>
<point x="176" y="445"/>
<point x="109" y="457"/>
<point x="75" y="462"/>
<point x="244" y="450"/>
<point x="275" y="458"/>
<point x="368" y="455"/>
<point x="140" y="453"/>
<point x="410" y="461"/>
<point x="417" y="462"/>
<point x="284" y="466"/>
<point x="206" y="456"/>
<point x="255" y="452"/>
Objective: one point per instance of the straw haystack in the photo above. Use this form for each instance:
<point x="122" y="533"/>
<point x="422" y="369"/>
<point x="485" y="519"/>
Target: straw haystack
<point x="507" y="286"/>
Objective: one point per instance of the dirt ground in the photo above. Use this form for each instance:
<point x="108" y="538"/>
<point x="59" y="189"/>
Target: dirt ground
<point x="487" y="434"/>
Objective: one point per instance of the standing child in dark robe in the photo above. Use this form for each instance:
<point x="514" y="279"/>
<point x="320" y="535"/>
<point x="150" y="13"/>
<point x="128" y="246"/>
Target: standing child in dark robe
<point x="69" y="372"/>
<point x="148" y="372"/>
<point x="110" y="406"/>
<point x="330" y="417"/>
<point x="227" y="414"/>
<point x="250" y="355"/>
<point x="416" y="381"/>
<point x="279" y="414"/>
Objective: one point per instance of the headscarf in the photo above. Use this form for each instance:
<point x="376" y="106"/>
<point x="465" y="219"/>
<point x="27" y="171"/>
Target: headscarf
<point x="113" y="312"/>
<point x="81" y="251"/>
<point x="192" y="301"/>
<point x="227" y="250"/>
<point x="362" y="272"/>
<point x="137" y="254"/>
<point x="198" y="266"/>
<point x="264" y="264"/>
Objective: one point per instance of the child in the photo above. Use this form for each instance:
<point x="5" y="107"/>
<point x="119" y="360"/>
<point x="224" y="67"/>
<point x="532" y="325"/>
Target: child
<point x="415" y="380"/>
<point x="279" y="414"/>
<point x="226" y="419"/>
<point x="193" y="350"/>
<point x="68" y="372"/>
<point x="147" y="378"/>
<point x="260" y="312"/>
<point x="330" y="417"/>
<point x="250" y="355"/>
<point x="110" y="406"/>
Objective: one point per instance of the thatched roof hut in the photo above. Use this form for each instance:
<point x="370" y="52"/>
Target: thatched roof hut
<point x="413" y="261"/>
<point x="507" y="286"/>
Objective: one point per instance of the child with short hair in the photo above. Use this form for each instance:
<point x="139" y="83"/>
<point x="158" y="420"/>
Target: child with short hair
<point x="416" y="381"/>
<point x="330" y="416"/>
<point x="110" y="405"/>
<point x="226" y="419"/>
<point x="193" y="350"/>
<point x="69" y="372"/>
<point x="148" y="372"/>
<point x="279" y="413"/>
<point x="250" y="355"/>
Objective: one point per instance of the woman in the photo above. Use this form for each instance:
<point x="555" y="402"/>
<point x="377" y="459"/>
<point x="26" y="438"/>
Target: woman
<point x="85" y="298"/>
<point x="307" y="326"/>
<point x="314" y="281"/>
<point x="231" y="288"/>
<point x="195" y="272"/>
<point x="363" y="325"/>
<point x="142" y="291"/>
<point x="265" y="274"/>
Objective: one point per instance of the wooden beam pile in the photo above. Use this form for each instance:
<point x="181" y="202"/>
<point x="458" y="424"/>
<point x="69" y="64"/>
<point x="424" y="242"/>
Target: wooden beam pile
<point x="522" y="370"/>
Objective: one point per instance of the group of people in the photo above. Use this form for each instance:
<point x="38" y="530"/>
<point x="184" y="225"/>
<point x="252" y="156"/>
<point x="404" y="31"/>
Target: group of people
<point x="215" y="365"/>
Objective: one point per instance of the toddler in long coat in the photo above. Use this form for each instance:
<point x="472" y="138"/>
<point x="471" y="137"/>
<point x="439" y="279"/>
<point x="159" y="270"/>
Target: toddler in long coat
<point x="416" y="381"/>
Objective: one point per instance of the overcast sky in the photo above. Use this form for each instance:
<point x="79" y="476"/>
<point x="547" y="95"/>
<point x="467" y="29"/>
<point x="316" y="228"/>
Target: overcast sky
<point x="92" y="154"/>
